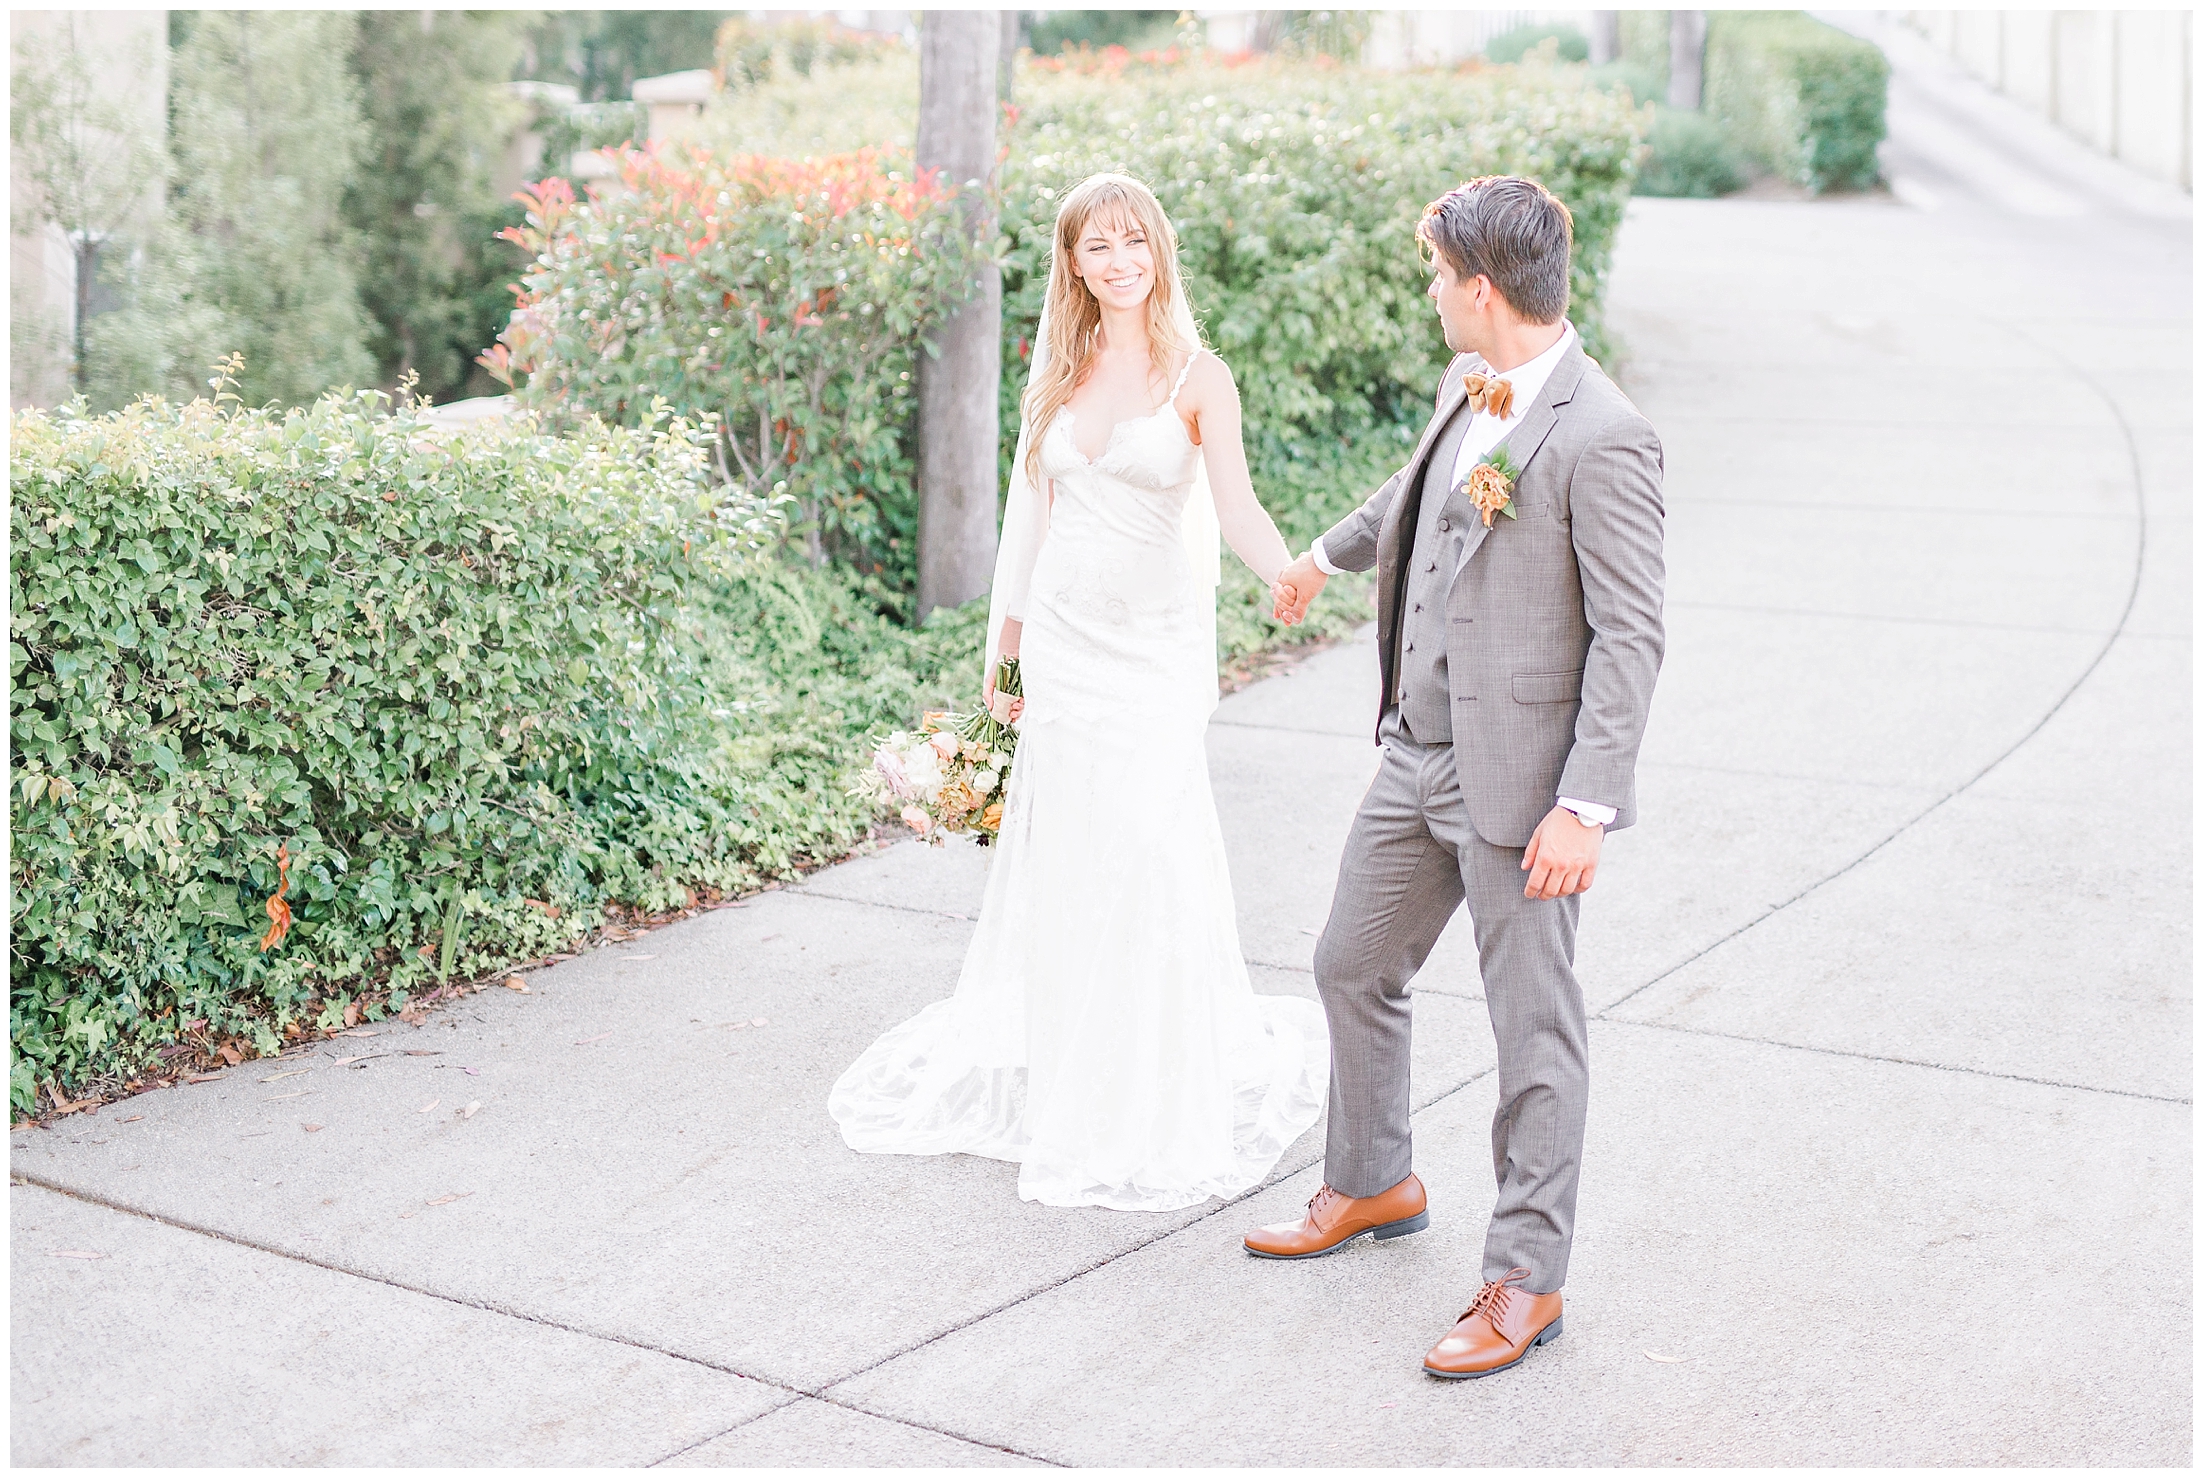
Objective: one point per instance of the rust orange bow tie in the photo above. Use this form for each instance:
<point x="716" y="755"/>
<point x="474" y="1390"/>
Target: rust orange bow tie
<point x="1489" y="393"/>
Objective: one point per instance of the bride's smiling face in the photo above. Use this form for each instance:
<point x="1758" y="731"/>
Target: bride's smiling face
<point x="1113" y="260"/>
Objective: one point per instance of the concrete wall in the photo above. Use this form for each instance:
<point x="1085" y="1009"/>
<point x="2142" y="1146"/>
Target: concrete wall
<point x="126" y="52"/>
<point x="2120" y="80"/>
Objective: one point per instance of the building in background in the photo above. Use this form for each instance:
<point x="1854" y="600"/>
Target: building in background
<point x="2121" y="81"/>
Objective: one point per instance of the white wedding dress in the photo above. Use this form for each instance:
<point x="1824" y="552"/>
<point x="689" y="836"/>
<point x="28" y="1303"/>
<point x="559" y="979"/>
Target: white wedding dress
<point x="1104" y="1033"/>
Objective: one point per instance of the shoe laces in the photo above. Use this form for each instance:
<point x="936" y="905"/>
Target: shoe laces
<point x="1319" y="1200"/>
<point x="1492" y="1299"/>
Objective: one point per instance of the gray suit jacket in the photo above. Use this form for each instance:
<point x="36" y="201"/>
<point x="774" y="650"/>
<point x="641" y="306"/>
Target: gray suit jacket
<point x="1554" y="633"/>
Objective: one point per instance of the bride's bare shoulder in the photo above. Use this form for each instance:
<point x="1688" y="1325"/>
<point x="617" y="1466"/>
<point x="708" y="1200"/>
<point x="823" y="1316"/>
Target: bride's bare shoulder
<point x="1208" y="380"/>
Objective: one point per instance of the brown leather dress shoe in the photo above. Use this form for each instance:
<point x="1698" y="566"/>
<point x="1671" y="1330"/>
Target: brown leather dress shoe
<point x="1502" y="1325"/>
<point x="1333" y="1220"/>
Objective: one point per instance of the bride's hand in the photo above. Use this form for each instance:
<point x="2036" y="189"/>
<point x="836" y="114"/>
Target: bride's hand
<point x="1011" y="715"/>
<point x="1295" y="588"/>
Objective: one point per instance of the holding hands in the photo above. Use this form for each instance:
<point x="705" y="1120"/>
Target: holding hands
<point x="1295" y="589"/>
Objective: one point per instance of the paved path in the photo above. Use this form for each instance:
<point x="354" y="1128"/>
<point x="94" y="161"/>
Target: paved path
<point x="1889" y="1144"/>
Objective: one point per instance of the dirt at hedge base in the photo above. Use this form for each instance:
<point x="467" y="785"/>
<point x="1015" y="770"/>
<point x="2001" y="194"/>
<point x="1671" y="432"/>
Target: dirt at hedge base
<point x="200" y="1059"/>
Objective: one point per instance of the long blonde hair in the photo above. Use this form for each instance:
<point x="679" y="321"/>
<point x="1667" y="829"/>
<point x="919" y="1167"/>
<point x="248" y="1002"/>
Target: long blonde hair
<point x="1074" y="317"/>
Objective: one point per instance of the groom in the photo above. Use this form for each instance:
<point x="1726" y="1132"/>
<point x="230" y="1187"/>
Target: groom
<point x="1519" y="633"/>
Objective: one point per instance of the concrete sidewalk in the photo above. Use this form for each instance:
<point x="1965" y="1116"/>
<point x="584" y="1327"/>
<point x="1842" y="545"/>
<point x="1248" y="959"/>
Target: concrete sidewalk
<point x="1889" y="1153"/>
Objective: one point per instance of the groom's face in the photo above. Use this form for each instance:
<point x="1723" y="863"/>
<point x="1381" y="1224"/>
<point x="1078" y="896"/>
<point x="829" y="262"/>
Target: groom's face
<point x="1464" y="306"/>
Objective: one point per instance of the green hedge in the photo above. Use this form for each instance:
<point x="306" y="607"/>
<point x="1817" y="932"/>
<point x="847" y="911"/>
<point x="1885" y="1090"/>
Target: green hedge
<point x="480" y="686"/>
<point x="1800" y="98"/>
<point x="784" y="299"/>
<point x="1297" y="213"/>
<point x="1296" y="191"/>
<point x="1689" y="156"/>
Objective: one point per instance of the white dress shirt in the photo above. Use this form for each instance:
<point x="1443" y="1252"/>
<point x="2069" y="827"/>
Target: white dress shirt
<point x="1485" y="432"/>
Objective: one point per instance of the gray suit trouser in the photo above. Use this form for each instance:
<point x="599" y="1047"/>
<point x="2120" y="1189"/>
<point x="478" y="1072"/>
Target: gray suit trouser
<point x="1410" y="861"/>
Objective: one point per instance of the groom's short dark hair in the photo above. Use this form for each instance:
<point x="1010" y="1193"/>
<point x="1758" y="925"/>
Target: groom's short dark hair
<point x="1512" y="230"/>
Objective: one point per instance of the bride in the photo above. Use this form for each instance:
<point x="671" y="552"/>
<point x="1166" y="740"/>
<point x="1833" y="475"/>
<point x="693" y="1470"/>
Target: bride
<point x="1104" y="1033"/>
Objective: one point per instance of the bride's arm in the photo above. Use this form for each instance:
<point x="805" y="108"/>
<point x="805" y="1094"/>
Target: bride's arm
<point x="1212" y="400"/>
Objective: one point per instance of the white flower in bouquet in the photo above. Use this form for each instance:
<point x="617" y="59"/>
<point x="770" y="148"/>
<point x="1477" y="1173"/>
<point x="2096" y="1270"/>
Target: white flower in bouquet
<point x="944" y="744"/>
<point x="983" y="783"/>
<point x="889" y="763"/>
<point x="922" y="766"/>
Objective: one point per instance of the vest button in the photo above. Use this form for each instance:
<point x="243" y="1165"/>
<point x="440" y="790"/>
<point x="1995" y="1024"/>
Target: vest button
<point x="1445" y="526"/>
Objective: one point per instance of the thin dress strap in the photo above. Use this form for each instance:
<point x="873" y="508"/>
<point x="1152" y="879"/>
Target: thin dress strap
<point x="1190" y="358"/>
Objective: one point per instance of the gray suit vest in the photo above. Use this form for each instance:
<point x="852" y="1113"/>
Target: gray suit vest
<point x="1426" y="702"/>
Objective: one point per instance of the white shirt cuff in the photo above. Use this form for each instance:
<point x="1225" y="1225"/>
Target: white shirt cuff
<point x="1587" y="813"/>
<point x="1323" y="561"/>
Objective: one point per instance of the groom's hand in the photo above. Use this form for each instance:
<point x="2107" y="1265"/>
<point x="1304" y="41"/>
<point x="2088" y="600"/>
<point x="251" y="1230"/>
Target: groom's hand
<point x="1563" y="856"/>
<point x="1296" y="588"/>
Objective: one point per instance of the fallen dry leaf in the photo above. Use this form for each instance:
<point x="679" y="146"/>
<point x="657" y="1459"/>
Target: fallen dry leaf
<point x="423" y="1052"/>
<point x="279" y="1097"/>
<point x="311" y="1128"/>
<point x="361" y="1031"/>
<point x="201" y="1077"/>
<point x="352" y="1014"/>
<point x="1667" y="1359"/>
<point x="132" y="1119"/>
<point x="424" y="1108"/>
<point x="294" y="1072"/>
<point x="87" y="1256"/>
<point x="514" y="982"/>
<point x="759" y="1021"/>
<point x="279" y="912"/>
<point x="626" y="958"/>
<point x="229" y="1053"/>
<point x="362" y="1057"/>
<point x="471" y="1109"/>
<point x="585" y="1041"/>
<point x="447" y="1200"/>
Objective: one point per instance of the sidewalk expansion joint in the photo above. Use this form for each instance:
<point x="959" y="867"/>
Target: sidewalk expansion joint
<point x="1268" y="1182"/>
<point x="1887" y="619"/>
<point x="847" y="1405"/>
<point x="2126" y="614"/>
<point x="933" y="913"/>
<point x="793" y="1393"/>
<point x="1237" y="723"/>
<point x="1938" y="1067"/>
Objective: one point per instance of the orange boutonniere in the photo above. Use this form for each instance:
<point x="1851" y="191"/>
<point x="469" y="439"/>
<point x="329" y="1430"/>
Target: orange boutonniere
<point x="1490" y="484"/>
<point x="1489" y="393"/>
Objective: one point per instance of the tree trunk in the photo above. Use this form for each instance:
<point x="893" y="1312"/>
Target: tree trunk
<point x="1013" y="38"/>
<point x="1606" y="37"/>
<point x="1686" y="58"/>
<point x="86" y="247"/>
<point x="957" y="390"/>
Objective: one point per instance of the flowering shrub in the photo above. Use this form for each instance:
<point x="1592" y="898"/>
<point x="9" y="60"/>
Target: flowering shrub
<point x="439" y="698"/>
<point x="1296" y="191"/>
<point x="785" y="299"/>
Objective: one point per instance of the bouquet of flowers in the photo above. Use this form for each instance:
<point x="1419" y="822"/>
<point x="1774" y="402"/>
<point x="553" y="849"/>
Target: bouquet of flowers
<point x="952" y="774"/>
